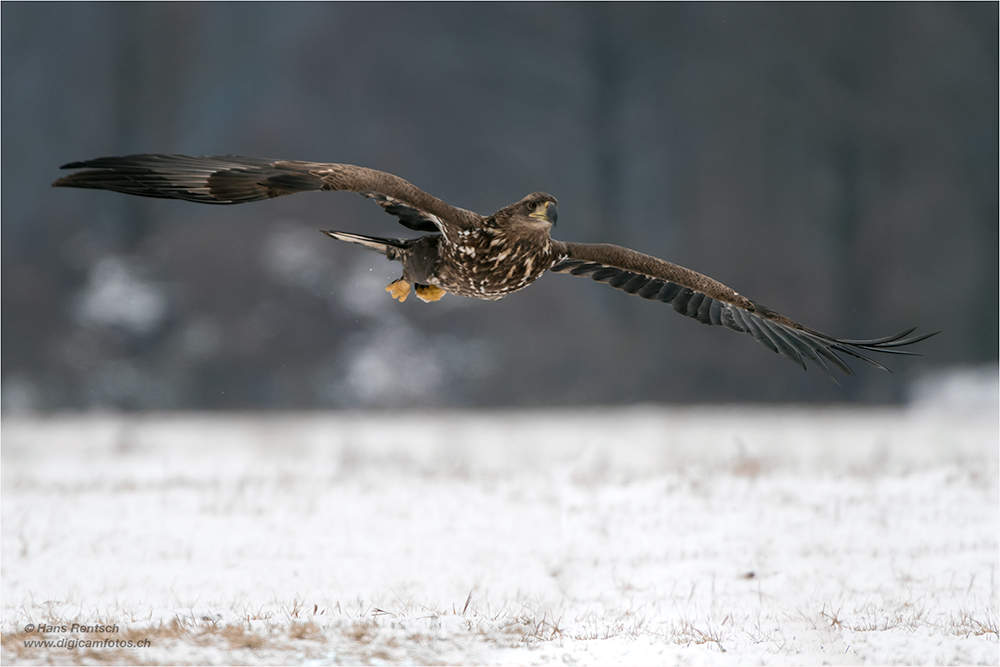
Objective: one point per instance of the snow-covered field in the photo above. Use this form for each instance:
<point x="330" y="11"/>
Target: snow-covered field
<point x="604" y="536"/>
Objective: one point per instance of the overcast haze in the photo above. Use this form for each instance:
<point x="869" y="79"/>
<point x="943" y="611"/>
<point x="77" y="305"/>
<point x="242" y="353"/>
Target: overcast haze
<point x="836" y="162"/>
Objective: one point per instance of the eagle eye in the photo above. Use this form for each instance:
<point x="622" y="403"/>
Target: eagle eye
<point x="532" y="205"/>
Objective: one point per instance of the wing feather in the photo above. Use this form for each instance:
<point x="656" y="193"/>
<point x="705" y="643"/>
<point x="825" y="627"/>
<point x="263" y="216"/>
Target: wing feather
<point x="652" y="288"/>
<point x="232" y="179"/>
<point x="786" y="344"/>
<point x="668" y="292"/>
<point x="702" y="298"/>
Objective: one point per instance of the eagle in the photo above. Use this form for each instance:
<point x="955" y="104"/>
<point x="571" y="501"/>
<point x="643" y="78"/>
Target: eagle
<point x="471" y="255"/>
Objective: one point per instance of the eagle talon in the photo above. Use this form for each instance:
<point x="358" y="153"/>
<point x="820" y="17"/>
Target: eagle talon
<point x="399" y="289"/>
<point x="428" y="293"/>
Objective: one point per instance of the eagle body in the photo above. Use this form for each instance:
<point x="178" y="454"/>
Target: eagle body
<point x="490" y="262"/>
<point x="468" y="254"/>
<point x="507" y="252"/>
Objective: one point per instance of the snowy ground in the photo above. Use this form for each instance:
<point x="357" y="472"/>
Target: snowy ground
<point x="606" y="536"/>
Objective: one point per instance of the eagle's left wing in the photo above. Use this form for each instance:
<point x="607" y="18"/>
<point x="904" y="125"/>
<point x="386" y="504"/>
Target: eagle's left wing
<point x="710" y="302"/>
<point x="232" y="179"/>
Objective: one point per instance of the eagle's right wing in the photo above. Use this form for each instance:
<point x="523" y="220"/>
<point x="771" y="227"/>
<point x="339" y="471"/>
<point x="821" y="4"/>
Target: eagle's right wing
<point x="231" y="179"/>
<point x="710" y="302"/>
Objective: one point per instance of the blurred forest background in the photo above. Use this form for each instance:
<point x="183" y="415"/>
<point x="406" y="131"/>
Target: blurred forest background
<point x="836" y="162"/>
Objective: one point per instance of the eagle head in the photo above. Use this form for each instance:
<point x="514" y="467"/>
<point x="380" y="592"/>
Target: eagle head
<point x="537" y="211"/>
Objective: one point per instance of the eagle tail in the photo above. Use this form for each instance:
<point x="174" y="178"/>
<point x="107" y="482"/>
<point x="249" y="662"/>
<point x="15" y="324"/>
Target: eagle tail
<point x="391" y="248"/>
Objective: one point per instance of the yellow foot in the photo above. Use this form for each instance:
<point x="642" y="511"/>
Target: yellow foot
<point x="428" y="293"/>
<point x="399" y="289"/>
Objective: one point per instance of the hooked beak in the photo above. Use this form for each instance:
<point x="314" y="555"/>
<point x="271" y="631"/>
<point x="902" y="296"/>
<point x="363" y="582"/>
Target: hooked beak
<point x="547" y="212"/>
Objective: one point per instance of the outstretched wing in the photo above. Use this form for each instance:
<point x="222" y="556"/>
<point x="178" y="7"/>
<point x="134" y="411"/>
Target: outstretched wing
<point x="230" y="179"/>
<point x="710" y="302"/>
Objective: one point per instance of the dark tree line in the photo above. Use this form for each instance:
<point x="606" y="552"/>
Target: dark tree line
<point x="837" y="163"/>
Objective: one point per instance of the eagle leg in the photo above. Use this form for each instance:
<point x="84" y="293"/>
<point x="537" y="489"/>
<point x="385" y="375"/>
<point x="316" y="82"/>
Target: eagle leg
<point x="399" y="289"/>
<point x="428" y="293"/>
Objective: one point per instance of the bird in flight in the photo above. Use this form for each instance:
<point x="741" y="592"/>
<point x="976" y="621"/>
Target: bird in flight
<point x="468" y="254"/>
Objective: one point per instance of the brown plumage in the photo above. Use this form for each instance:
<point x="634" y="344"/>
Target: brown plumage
<point x="473" y="255"/>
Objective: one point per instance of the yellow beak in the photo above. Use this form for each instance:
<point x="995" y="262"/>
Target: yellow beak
<point x="547" y="211"/>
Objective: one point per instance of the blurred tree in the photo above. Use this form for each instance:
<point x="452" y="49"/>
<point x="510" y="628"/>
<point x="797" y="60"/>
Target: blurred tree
<point x="835" y="162"/>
